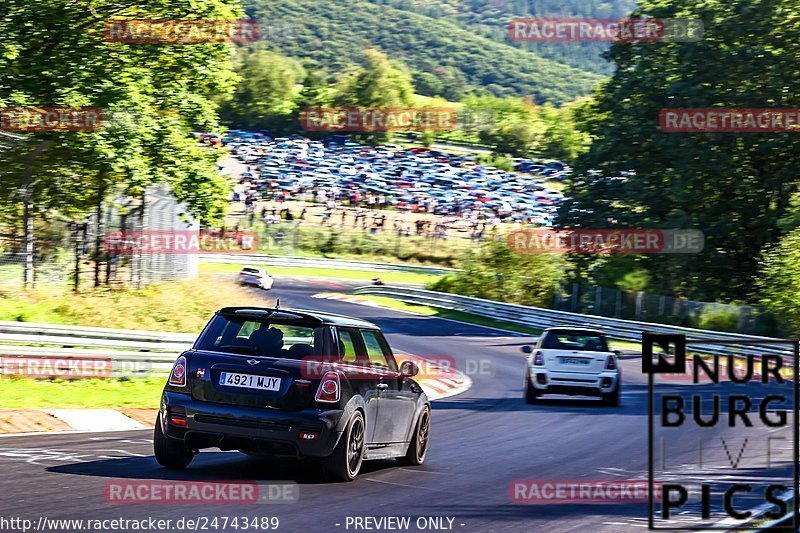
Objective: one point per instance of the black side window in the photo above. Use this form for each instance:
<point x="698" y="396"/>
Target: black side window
<point x="377" y="349"/>
<point x="347" y="345"/>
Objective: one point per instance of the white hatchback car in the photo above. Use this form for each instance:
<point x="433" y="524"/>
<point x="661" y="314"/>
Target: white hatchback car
<point x="572" y="361"/>
<point x="256" y="276"/>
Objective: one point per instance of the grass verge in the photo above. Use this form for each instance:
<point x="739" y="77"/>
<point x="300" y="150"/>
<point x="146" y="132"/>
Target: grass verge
<point x="321" y="272"/>
<point x="81" y="393"/>
<point x="180" y="306"/>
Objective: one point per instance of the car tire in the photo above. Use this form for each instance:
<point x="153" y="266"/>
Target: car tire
<point x="418" y="448"/>
<point x="613" y="397"/>
<point x="345" y="461"/>
<point x="531" y="394"/>
<point x="170" y="454"/>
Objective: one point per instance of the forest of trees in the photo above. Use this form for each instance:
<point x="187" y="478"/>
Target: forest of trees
<point x="490" y="18"/>
<point x="741" y="189"/>
<point x="334" y="35"/>
<point x="274" y="90"/>
<point x="54" y="54"/>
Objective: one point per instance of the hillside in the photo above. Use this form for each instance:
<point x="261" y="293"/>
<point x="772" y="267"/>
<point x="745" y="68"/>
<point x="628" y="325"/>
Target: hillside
<point x="335" y="34"/>
<point x="489" y="18"/>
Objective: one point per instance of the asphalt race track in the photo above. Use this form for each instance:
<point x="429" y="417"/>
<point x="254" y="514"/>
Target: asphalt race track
<point x="482" y="440"/>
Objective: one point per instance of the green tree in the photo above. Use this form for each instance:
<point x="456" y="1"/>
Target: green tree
<point x="378" y="83"/>
<point x="778" y="282"/>
<point x="734" y="187"/>
<point x="495" y="272"/>
<point x="428" y="84"/>
<point x="54" y="54"/>
<point x="561" y="138"/>
<point x="265" y="98"/>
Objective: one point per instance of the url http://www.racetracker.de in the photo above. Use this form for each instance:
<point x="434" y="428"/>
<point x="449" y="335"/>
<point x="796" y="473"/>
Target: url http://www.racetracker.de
<point x="199" y="523"/>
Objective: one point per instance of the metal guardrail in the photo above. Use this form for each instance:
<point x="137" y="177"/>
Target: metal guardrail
<point x="316" y="262"/>
<point x="544" y="318"/>
<point x="136" y="352"/>
<point x="130" y="352"/>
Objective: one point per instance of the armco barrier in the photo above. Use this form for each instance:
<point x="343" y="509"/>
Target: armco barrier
<point x="130" y="351"/>
<point x="544" y="318"/>
<point x="316" y="262"/>
<point x="133" y="351"/>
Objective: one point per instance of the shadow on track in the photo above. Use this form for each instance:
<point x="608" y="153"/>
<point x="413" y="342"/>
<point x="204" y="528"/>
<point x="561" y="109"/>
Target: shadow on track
<point x="634" y="403"/>
<point x="214" y="467"/>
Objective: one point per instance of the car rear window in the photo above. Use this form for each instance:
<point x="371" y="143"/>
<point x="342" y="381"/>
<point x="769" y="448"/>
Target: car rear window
<point x="586" y="342"/>
<point x="261" y="338"/>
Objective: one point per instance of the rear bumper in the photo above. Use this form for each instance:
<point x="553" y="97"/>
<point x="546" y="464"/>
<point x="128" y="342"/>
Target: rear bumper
<point x="252" y="429"/>
<point x="573" y="383"/>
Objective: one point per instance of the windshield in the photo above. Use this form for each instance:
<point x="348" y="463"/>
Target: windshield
<point x="261" y="338"/>
<point x="586" y="342"/>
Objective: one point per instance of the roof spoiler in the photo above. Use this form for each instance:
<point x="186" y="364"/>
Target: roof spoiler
<point x="271" y="313"/>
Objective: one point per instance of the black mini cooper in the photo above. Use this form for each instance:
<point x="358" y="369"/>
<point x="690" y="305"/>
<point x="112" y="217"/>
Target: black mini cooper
<point x="293" y="383"/>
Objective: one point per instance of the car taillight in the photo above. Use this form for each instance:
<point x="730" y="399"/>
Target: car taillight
<point x="328" y="390"/>
<point x="178" y="375"/>
<point x="538" y="359"/>
<point x="611" y="364"/>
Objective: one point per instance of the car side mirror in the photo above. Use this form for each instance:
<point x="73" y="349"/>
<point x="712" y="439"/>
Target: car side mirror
<point x="527" y="349"/>
<point x="409" y="369"/>
<point x="618" y="353"/>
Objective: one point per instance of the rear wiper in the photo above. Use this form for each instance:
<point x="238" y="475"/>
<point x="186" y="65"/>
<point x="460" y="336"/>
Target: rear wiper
<point x="245" y="349"/>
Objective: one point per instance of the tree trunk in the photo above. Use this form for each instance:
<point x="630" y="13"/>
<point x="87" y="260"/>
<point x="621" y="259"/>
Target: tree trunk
<point x="98" y="238"/>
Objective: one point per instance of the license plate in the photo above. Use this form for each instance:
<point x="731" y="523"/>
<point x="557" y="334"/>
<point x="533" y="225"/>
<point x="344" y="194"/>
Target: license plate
<point x="249" y="381"/>
<point x="574" y="361"/>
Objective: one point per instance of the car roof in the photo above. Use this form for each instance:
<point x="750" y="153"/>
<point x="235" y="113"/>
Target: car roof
<point x="320" y="319"/>
<point x="566" y="329"/>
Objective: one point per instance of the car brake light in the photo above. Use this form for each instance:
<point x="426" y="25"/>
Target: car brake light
<point x="538" y="359"/>
<point x="611" y="364"/>
<point x="178" y="375"/>
<point x="178" y="421"/>
<point x="328" y="391"/>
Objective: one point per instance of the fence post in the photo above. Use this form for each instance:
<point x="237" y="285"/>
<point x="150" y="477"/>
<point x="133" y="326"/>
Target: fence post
<point x="639" y="304"/>
<point x="744" y="316"/>
<point x="27" y="193"/>
<point x="598" y="300"/>
<point x="558" y="296"/>
<point x="619" y="303"/>
<point x="576" y="289"/>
